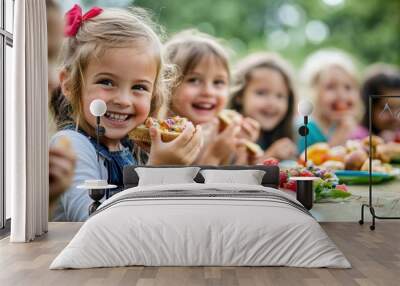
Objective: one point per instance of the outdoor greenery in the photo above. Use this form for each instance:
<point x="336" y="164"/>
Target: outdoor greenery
<point x="368" y="29"/>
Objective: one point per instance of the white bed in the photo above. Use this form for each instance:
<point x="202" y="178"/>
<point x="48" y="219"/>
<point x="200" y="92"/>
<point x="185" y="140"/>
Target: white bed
<point x="201" y="224"/>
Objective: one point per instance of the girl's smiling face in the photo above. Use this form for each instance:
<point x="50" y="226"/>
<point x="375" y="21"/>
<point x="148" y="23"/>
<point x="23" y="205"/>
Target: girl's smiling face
<point x="337" y="94"/>
<point x="203" y="92"/>
<point x="124" y="78"/>
<point x="266" y="97"/>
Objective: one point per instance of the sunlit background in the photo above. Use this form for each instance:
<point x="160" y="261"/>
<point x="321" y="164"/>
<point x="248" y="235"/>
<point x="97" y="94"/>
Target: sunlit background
<point x="368" y="29"/>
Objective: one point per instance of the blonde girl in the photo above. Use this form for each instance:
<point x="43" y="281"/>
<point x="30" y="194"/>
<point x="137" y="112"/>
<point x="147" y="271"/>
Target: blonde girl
<point x="331" y="80"/>
<point x="116" y="56"/>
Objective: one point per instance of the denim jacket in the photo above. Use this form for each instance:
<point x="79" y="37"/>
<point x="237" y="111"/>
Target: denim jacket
<point x="114" y="161"/>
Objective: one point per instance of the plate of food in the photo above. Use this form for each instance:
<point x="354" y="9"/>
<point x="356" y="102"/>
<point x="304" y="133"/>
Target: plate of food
<point x="350" y="162"/>
<point x="326" y="187"/>
<point x="350" y="177"/>
<point x="381" y="172"/>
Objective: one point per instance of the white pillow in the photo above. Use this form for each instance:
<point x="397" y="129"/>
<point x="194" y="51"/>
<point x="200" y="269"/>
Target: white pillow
<point x="162" y="176"/>
<point x="249" y="177"/>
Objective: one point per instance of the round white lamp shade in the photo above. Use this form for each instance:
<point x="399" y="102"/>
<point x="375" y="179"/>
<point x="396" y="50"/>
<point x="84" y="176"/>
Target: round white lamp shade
<point x="305" y="107"/>
<point x="98" y="107"/>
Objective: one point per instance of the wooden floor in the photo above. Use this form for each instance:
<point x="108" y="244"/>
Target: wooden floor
<point x="374" y="255"/>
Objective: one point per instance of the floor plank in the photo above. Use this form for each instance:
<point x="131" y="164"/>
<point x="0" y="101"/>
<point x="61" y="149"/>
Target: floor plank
<point x="374" y="255"/>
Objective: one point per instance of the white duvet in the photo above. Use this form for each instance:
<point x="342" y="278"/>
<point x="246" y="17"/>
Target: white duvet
<point x="207" y="230"/>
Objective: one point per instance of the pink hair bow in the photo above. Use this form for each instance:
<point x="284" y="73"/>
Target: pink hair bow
<point x="74" y="19"/>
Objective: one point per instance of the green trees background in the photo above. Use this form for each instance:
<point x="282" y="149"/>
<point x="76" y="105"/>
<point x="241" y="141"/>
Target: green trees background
<point x="368" y="29"/>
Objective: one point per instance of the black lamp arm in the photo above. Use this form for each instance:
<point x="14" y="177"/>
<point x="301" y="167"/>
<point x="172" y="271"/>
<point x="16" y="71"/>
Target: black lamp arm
<point x="303" y="131"/>
<point x="97" y="136"/>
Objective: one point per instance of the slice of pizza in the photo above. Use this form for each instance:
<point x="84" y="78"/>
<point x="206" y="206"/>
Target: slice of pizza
<point x="254" y="148"/>
<point x="169" y="128"/>
<point x="226" y="117"/>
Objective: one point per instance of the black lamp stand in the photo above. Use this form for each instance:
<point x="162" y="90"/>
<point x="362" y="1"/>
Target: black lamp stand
<point x="100" y="131"/>
<point x="96" y="195"/>
<point x="304" y="131"/>
<point x="305" y="193"/>
<point x="369" y="205"/>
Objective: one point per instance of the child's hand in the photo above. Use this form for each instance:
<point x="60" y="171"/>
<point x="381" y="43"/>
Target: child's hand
<point x="282" y="149"/>
<point x="181" y="151"/>
<point x="250" y="129"/>
<point x="61" y="171"/>
<point x="244" y="156"/>
<point x="222" y="146"/>
<point x="210" y="130"/>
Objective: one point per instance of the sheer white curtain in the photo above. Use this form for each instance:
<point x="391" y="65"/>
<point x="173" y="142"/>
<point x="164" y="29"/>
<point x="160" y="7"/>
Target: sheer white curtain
<point x="26" y="124"/>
